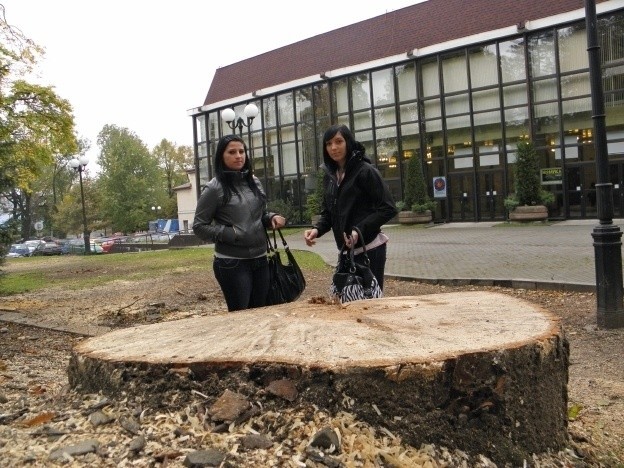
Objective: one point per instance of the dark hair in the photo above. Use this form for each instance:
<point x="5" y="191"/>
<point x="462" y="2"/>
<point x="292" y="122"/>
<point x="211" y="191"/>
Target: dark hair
<point x="352" y="144"/>
<point x="226" y="176"/>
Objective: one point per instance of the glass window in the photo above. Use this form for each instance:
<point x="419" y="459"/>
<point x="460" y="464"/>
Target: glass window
<point x="542" y="54"/>
<point x="383" y="87"/>
<point x="213" y="126"/>
<point x="304" y="104"/>
<point x="200" y="127"/>
<point x="385" y="116"/>
<point x="432" y="108"/>
<point x="483" y="66"/>
<point x="307" y="152"/>
<point x="455" y="73"/>
<point x="289" y="158"/>
<point x="514" y="95"/>
<point x="409" y="130"/>
<point x="575" y="85"/>
<point x="341" y="96"/>
<point x="457" y="104"/>
<point x="286" y="108"/>
<point x="362" y="120"/>
<point x="545" y="90"/>
<point x="257" y="155"/>
<point x="321" y="100"/>
<point x="513" y="65"/>
<point x="430" y="81"/>
<point x="360" y="91"/>
<point x="287" y="133"/>
<point x="406" y="81"/>
<point x="409" y="112"/>
<point x="516" y="122"/>
<point x="269" y="112"/>
<point x="487" y="99"/>
<point x="573" y="40"/>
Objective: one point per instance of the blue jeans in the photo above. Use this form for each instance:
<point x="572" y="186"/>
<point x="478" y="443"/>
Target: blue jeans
<point x="244" y="282"/>
<point x="377" y="257"/>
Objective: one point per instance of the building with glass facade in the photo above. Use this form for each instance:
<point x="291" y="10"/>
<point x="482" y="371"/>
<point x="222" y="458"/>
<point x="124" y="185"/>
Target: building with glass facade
<point x="454" y="83"/>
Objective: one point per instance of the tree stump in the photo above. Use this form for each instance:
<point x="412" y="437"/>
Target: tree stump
<point x="478" y="371"/>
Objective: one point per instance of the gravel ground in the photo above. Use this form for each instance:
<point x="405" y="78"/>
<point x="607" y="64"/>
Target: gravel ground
<point x="40" y="414"/>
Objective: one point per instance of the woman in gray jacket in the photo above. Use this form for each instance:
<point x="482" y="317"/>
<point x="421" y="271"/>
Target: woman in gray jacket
<point x="231" y="212"/>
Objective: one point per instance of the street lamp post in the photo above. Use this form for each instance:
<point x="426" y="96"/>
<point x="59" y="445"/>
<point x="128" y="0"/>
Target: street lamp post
<point x="229" y="116"/>
<point x="79" y="166"/>
<point x="607" y="236"/>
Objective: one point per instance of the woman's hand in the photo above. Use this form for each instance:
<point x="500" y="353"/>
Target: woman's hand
<point x="309" y="236"/>
<point x="278" y="221"/>
<point x="352" y="240"/>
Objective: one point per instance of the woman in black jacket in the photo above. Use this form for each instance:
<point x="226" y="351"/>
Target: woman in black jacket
<point x="231" y="212"/>
<point x="355" y="196"/>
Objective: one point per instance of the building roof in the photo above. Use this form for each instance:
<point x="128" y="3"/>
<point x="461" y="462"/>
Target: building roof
<point x="397" y="32"/>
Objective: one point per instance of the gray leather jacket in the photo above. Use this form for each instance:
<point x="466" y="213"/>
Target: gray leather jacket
<point x="238" y="228"/>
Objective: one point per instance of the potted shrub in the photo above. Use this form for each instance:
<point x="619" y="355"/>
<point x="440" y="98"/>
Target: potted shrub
<point x="529" y="201"/>
<point x="416" y="206"/>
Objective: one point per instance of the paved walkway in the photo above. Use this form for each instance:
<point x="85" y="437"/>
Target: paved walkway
<point x="558" y="256"/>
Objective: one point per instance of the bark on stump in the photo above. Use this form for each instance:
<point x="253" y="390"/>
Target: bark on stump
<point x="479" y="371"/>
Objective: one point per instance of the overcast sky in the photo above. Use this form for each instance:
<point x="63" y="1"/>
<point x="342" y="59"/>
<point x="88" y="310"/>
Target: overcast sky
<point x="142" y="64"/>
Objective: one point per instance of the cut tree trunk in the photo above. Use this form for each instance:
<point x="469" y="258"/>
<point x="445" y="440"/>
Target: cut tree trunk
<point x="482" y="372"/>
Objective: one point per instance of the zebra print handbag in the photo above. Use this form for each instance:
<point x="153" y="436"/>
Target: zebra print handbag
<point x="354" y="281"/>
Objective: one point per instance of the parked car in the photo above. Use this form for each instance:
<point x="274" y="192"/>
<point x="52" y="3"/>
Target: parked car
<point x="76" y="246"/>
<point x="18" y="250"/>
<point x="47" y="248"/>
<point x="32" y="244"/>
<point x="108" y="243"/>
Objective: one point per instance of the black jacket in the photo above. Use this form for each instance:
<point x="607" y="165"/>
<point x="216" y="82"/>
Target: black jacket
<point x="362" y="199"/>
<point x="238" y="229"/>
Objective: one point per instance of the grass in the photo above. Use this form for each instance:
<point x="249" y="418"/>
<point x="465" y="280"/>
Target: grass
<point x="81" y="272"/>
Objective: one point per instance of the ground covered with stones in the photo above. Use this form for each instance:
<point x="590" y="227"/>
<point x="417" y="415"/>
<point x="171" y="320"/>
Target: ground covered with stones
<point x="43" y="422"/>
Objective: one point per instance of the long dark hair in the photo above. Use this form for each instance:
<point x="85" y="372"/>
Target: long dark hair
<point x="228" y="177"/>
<point x="352" y="145"/>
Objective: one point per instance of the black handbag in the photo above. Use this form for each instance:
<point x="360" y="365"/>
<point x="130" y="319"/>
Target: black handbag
<point x="287" y="281"/>
<point x="354" y="281"/>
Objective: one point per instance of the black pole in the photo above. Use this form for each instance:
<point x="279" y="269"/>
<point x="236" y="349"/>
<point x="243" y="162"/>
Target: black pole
<point x="85" y="232"/>
<point x="607" y="236"/>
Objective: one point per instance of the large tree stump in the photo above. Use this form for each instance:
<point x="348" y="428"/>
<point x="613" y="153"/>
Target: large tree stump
<point x="482" y="372"/>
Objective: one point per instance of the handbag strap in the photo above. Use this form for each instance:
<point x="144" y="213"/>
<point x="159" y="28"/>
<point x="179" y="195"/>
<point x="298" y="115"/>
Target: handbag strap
<point x="360" y="240"/>
<point x="271" y="248"/>
<point x="274" y="246"/>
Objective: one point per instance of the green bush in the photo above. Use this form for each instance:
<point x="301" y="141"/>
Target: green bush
<point x="527" y="180"/>
<point x="287" y="210"/>
<point x="416" y="197"/>
<point x="314" y="202"/>
<point x="527" y="177"/>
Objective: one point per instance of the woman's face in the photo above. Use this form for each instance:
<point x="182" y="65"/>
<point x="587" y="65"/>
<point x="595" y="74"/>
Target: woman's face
<point x="234" y="156"/>
<point x="337" y="149"/>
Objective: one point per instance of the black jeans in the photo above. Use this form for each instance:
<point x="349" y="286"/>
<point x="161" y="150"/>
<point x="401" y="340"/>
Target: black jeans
<point x="377" y="257"/>
<point x="244" y="282"/>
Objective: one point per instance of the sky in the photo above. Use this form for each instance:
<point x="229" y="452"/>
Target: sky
<point x="143" y="64"/>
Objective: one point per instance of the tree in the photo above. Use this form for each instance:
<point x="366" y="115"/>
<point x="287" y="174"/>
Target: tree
<point x="131" y="181"/>
<point x="527" y="179"/>
<point x="35" y="124"/>
<point x="415" y="195"/>
<point x="173" y="161"/>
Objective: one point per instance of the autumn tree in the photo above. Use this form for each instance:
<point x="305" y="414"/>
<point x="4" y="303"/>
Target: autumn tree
<point x="173" y="161"/>
<point x="131" y="181"/>
<point x="35" y="125"/>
